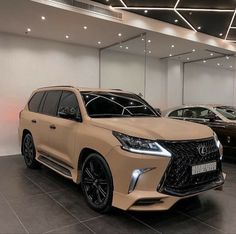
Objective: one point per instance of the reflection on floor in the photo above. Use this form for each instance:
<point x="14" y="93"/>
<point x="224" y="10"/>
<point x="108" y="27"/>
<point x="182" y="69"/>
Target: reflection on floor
<point x="43" y="202"/>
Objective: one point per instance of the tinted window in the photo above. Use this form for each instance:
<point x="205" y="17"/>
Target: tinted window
<point x="68" y="101"/>
<point x="176" y="113"/>
<point x="227" y="112"/>
<point x="114" y="104"/>
<point x="35" y="101"/>
<point x="51" y="102"/>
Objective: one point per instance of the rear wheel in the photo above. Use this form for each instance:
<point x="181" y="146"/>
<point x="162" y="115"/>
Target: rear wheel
<point x="29" y="153"/>
<point x="96" y="183"/>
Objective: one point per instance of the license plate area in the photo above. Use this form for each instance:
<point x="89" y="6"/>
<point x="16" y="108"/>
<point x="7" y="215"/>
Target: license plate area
<point x="203" y="168"/>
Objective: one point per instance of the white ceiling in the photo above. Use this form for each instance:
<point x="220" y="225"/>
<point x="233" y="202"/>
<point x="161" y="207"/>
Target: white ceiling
<point x="18" y="15"/>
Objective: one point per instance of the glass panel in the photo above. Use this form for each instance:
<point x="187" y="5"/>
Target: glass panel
<point x="123" y="66"/>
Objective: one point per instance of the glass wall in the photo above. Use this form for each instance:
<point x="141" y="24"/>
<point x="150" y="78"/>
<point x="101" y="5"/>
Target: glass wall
<point x="123" y="65"/>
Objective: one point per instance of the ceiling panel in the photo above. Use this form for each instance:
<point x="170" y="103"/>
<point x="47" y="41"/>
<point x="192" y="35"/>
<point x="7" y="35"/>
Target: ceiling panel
<point x="212" y="23"/>
<point x="210" y="15"/>
<point x="216" y="4"/>
<point x="232" y="35"/>
<point x="166" y="16"/>
<point x="150" y="3"/>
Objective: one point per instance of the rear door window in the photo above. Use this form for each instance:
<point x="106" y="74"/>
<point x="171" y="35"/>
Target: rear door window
<point x="51" y="102"/>
<point x="35" y="101"/>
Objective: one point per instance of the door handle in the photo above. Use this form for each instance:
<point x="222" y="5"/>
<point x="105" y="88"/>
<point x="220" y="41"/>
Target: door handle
<point x="52" y="126"/>
<point x="33" y="121"/>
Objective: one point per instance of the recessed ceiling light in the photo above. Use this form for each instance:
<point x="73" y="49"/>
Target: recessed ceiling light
<point x="142" y="39"/>
<point x="204" y="61"/>
<point x="199" y="27"/>
<point x="85" y="27"/>
<point x="170" y="55"/>
<point x="145" y="11"/>
<point x="99" y="42"/>
<point x="190" y="13"/>
<point x="43" y="17"/>
<point x="231" y="66"/>
<point x="121" y="46"/>
<point x="126" y="47"/>
<point x="188" y="58"/>
<point x="193" y="50"/>
<point x="149" y="51"/>
<point x="119" y="34"/>
<point x="221" y="34"/>
<point x="149" y="41"/>
<point x="227" y="57"/>
<point x="176" y="21"/>
<point x="28" y="29"/>
<point x="67" y="36"/>
<point x="107" y="0"/>
<point x="172" y="46"/>
<point x="211" y="54"/>
<point x="218" y="64"/>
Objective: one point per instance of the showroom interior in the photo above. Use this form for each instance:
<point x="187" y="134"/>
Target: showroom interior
<point x="169" y="52"/>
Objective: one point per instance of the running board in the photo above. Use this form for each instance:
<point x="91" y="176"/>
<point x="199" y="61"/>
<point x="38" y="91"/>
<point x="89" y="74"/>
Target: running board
<point x="56" y="166"/>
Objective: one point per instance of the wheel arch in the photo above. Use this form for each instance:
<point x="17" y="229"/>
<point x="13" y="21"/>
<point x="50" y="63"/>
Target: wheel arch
<point x="85" y="152"/>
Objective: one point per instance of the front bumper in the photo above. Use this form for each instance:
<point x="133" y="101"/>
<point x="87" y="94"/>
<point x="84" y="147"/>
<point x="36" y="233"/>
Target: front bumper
<point x="146" y="195"/>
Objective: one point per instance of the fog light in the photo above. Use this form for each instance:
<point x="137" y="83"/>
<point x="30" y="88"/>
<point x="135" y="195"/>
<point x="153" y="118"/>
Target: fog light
<point x="135" y="176"/>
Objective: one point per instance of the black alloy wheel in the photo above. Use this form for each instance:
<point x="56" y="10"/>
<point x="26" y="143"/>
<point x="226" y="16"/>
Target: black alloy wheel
<point x="96" y="183"/>
<point x="29" y="152"/>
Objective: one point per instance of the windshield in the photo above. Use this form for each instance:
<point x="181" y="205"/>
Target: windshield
<point x="227" y="112"/>
<point x="114" y="104"/>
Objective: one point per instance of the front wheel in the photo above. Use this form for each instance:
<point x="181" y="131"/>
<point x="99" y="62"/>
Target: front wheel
<point x="29" y="153"/>
<point x="96" y="183"/>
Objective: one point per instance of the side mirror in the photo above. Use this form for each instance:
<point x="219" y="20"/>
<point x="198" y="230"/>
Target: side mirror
<point x="69" y="113"/>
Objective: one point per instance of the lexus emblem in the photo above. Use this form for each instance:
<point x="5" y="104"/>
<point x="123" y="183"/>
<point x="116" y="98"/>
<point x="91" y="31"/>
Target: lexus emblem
<point x="202" y="150"/>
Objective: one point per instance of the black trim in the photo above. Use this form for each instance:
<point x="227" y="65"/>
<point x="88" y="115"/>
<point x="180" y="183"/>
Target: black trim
<point x="55" y="159"/>
<point x="54" y="165"/>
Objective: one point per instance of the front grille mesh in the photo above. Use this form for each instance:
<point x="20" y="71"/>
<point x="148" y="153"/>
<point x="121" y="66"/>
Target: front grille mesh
<point x="178" y="178"/>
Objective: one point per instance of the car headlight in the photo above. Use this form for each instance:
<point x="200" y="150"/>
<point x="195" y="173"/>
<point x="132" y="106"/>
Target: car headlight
<point x="218" y="144"/>
<point x="141" y="146"/>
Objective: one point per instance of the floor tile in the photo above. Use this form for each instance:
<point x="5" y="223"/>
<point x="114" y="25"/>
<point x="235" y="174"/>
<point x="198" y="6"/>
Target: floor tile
<point x="72" y="229"/>
<point x="9" y="224"/>
<point x="75" y="203"/>
<point x="174" y="222"/>
<point x="40" y="213"/>
<point x="118" y="222"/>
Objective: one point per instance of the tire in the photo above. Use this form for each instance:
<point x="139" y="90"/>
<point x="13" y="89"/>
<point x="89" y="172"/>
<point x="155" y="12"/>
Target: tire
<point x="29" y="152"/>
<point x="96" y="183"/>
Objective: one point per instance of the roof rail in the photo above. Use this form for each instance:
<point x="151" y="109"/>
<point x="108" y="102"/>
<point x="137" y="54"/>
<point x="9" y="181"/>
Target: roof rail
<point x="57" y="86"/>
<point x="117" y="89"/>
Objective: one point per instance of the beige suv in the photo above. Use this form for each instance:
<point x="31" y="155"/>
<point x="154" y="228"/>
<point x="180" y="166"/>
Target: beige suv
<point x="118" y="147"/>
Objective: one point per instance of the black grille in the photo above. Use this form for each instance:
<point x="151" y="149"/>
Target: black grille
<point x="178" y="179"/>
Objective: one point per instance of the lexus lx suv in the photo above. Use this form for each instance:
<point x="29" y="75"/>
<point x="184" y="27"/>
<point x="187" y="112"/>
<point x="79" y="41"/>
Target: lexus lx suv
<point x="118" y="148"/>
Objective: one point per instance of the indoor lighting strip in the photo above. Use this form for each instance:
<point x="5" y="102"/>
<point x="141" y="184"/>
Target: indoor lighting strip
<point x="231" y="22"/>
<point x="172" y="9"/>
<point x="176" y="10"/>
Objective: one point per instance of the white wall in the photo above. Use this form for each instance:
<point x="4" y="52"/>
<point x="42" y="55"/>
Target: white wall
<point x="174" y="83"/>
<point x="208" y="85"/>
<point x="26" y="64"/>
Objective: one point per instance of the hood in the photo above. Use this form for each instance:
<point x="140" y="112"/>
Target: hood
<point x="155" y="128"/>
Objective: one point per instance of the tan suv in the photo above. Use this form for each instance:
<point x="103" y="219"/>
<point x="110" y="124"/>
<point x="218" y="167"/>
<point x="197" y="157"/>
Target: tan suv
<point x="119" y="148"/>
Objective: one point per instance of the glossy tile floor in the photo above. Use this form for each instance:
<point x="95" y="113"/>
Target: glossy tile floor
<point x="40" y="201"/>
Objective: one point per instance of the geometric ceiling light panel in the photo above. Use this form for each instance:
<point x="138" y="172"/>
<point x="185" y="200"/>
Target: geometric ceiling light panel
<point x="212" y="23"/>
<point x="213" y="17"/>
